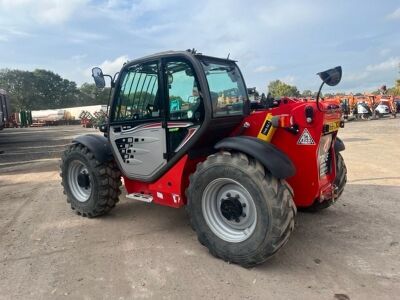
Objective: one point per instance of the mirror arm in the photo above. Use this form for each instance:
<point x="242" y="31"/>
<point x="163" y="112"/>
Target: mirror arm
<point x="114" y="78"/>
<point x="111" y="80"/>
<point x="318" y="94"/>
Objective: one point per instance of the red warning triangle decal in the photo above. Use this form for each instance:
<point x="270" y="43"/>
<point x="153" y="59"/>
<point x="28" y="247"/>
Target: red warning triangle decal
<point x="305" y="138"/>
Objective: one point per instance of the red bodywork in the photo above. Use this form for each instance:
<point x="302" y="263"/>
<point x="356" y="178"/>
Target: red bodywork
<point x="307" y="184"/>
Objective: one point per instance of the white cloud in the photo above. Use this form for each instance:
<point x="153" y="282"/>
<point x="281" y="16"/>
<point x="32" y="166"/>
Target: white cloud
<point x="7" y="33"/>
<point x="143" y="6"/>
<point x="41" y="11"/>
<point x="385" y="51"/>
<point x="389" y="64"/>
<point x="354" y="77"/>
<point x="113" y="66"/>
<point x="79" y="57"/>
<point x="109" y="67"/>
<point x="394" y="15"/>
<point x="289" y="79"/>
<point x="372" y="72"/>
<point x="264" y="69"/>
<point x="80" y="37"/>
<point x="287" y="13"/>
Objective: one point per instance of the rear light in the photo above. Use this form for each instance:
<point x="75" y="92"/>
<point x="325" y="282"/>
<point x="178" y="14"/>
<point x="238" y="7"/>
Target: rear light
<point x="309" y="112"/>
<point x="285" y="121"/>
<point x="324" y="155"/>
<point x="282" y="121"/>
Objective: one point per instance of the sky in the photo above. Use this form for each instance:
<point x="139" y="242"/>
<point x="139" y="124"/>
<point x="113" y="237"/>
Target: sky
<point x="287" y="40"/>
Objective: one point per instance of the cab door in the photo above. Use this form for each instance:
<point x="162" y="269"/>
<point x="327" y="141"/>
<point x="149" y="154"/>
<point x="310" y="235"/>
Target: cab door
<point x="137" y="130"/>
<point x="185" y="111"/>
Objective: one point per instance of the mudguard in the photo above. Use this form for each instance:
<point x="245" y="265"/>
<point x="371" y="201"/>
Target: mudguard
<point x="339" y="145"/>
<point x="97" y="144"/>
<point x="277" y="162"/>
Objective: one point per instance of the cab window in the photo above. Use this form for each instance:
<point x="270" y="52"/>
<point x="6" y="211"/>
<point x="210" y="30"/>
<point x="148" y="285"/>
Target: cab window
<point x="138" y="97"/>
<point x="227" y="89"/>
<point x="185" y="102"/>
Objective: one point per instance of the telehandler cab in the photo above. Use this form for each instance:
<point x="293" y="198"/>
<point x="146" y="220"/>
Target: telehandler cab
<point x="181" y="132"/>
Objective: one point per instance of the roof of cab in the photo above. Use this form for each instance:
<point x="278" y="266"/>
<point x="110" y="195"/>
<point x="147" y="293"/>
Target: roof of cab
<point x="191" y="52"/>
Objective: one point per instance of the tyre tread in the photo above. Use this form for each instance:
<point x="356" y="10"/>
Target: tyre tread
<point x="283" y="208"/>
<point x="109" y="179"/>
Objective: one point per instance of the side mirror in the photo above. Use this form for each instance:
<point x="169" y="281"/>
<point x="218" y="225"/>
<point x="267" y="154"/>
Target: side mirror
<point x="98" y="77"/>
<point x="332" y="76"/>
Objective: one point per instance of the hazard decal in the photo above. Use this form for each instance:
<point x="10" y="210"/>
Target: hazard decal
<point x="305" y="138"/>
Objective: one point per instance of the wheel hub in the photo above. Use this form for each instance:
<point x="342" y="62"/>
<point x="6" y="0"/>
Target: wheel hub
<point x="229" y="210"/>
<point x="79" y="180"/>
<point x="84" y="180"/>
<point x="232" y="208"/>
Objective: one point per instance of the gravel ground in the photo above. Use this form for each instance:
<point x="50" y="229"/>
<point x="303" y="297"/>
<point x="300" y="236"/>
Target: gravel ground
<point x="349" y="251"/>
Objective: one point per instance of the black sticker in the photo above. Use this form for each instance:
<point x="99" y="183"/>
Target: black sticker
<point x="267" y="127"/>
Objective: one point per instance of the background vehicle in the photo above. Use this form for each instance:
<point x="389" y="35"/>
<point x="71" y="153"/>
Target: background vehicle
<point x="180" y="133"/>
<point x="383" y="108"/>
<point x="4" y="109"/>
<point x="396" y="107"/>
<point x="363" y="111"/>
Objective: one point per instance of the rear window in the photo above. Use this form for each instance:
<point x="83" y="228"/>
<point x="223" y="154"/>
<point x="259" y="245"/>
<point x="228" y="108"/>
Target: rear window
<point x="227" y="89"/>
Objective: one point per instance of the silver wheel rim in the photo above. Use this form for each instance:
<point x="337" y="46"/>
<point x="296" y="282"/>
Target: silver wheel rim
<point x="223" y="190"/>
<point x="76" y="169"/>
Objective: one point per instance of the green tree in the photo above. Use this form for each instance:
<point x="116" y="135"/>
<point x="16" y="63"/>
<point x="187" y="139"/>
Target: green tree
<point x="307" y="93"/>
<point x="40" y="89"/>
<point x="43" y="89"/>
<point x="278" y="89"/>
<point x="91" y="95"/>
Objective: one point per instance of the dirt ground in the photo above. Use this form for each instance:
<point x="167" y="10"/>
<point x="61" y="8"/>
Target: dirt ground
<point x="350" y="251"/>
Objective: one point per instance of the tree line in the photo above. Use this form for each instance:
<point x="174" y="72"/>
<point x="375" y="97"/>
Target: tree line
<point x="43" y="89"/>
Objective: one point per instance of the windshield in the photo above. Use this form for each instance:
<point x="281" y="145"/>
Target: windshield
<point x="227" y="89"/>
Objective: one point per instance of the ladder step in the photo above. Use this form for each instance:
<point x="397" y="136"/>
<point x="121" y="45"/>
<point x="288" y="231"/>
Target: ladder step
<point x="140" y="197"/>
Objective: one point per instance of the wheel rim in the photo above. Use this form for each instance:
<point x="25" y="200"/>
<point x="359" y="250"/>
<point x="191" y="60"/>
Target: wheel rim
<point x="229" y="210"/>
<point x="79" y="180"/>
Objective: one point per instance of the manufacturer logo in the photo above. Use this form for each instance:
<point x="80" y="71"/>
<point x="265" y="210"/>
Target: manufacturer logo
<point x="305" y="138"/>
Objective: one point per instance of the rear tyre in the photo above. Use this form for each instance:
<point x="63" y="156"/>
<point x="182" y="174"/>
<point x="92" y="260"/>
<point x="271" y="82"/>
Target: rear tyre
<point x="340" y="182"/>
<point x="241" y="213"/>
<point x="92" y="188"/>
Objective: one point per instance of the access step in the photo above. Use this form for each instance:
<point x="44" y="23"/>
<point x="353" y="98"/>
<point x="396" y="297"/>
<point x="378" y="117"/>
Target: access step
<point x="140" y="197"/>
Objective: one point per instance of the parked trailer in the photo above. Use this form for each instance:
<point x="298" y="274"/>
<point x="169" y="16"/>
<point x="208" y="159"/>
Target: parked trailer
<point x="69" y="115"/>
<point x="4" y="109"/>
<point x="75" y="112"/>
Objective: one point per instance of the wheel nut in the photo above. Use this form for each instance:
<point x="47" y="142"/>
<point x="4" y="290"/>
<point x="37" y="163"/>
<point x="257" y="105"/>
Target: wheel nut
<point x="243" y="215"/>
<point x="237" y="196"/>
<point x="243" y="204"/>
<point x="237" y="220"/>
<point x="228" y="195"/>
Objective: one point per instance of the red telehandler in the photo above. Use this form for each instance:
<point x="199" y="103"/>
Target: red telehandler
<point x="181" y="132"/>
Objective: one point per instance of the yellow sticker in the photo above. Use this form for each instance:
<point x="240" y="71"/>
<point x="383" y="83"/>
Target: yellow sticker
<point x="333" y="126"/>
<point x="267" y="130"/>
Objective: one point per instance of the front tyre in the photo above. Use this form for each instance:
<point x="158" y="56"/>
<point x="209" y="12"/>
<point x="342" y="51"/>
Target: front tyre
<point x="92" y="188"/>
<point x="240" y="213"/>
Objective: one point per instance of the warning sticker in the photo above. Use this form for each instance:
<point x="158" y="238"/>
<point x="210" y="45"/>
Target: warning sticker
<point x="266" y="127"/>
<point x="305" y="138"/>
